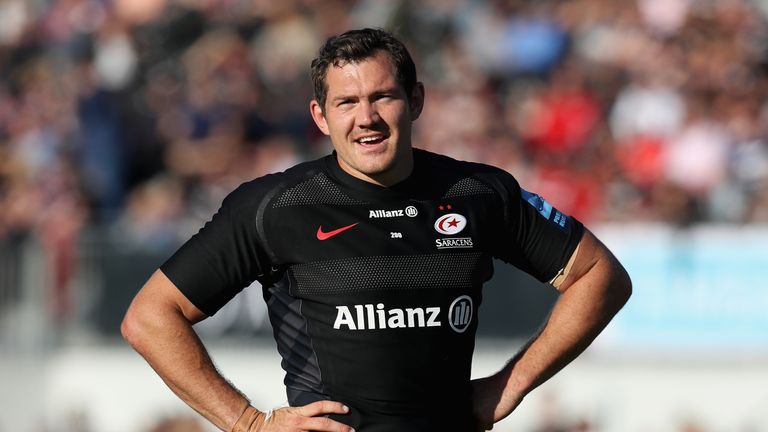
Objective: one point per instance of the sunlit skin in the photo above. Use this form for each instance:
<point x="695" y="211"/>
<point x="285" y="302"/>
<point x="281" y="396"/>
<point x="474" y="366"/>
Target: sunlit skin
<point x="365" y="102"/>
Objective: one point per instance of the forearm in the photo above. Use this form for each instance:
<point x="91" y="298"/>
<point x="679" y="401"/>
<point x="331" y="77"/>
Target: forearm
<point x="165" y="338"/>
<point x="580" y="314"/>
<point x="576" y="320"/>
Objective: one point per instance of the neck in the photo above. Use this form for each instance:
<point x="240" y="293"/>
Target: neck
<point x="395" y="174"/>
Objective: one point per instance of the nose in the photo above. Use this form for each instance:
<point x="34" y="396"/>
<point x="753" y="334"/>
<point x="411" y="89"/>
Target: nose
<point x="368" y="115"/>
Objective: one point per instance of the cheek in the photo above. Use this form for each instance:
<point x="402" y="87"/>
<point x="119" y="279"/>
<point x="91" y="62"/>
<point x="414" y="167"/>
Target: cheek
<point x="399" y="116"/>
<point x="340" y="125"/>
<point x="401" y="125"/>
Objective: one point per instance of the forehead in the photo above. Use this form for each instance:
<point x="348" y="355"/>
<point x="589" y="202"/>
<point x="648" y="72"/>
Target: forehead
<point x="361" y="77"/>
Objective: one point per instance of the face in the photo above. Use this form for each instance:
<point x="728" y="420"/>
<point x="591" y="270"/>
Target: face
<point x="368" y="117"/>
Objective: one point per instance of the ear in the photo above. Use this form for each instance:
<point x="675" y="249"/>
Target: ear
<point x="319" y="116"/>
<point x="417" y="100"/>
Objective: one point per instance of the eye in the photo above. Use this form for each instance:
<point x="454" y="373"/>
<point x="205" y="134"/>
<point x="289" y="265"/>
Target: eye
<point x="344" y="102"/>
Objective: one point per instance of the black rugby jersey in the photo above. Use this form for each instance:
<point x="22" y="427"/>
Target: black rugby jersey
<point x="373" y="292"/>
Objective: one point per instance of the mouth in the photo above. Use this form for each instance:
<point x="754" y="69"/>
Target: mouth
<point x="372" y="139"/>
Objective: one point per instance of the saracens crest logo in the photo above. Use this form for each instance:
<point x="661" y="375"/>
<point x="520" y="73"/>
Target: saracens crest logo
<point x="450" y="224"/>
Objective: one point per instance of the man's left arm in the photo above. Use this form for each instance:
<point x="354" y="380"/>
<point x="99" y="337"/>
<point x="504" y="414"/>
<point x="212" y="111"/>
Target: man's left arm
<point x="593" y="288"/>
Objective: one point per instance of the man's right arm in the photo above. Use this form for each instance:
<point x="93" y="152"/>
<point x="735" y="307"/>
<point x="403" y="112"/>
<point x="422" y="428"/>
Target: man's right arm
<point x="158" y="324"/>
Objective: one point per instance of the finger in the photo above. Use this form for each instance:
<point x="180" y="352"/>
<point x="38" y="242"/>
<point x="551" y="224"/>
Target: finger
<point x="322" y="407"/>
<point x="324" y="424"/>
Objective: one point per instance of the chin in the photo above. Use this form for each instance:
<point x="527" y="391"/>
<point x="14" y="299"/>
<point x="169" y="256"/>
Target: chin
<point x="374" y="171"/>
<point x="378" y="165"/>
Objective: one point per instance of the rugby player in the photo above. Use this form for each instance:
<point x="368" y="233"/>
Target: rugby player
<point x="372" y="261"/>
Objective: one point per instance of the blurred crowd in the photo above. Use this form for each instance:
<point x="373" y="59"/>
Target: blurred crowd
<point x="141" y="115"/>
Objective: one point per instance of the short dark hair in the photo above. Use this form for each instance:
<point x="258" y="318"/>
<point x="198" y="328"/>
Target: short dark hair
<point x="357" y="45"/>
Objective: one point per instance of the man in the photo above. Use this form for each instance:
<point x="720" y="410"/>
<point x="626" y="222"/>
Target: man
<point x="372" y="261"/>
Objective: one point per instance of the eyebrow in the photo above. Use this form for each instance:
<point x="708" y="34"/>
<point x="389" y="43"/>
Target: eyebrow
<point x="342" y="98"/>
<point x="389" y="90"/>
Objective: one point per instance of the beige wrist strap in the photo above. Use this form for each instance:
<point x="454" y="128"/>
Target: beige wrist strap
<point x="250" y="420"/>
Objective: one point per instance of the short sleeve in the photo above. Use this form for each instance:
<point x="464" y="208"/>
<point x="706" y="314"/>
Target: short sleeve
<point x="224" y="257"/>
<point x="537" y="238"/>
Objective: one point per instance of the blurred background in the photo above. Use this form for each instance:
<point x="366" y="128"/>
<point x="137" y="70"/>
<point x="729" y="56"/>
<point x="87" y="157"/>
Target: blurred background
<point x="124" y="123"/>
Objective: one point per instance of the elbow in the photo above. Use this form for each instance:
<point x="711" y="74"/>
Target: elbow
<point x="129" y="327"/>
<point x="622" y="286"/>
<point x="132" y="328"/>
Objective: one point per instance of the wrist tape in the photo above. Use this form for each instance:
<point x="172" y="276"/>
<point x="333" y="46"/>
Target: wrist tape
<point x="249" y="420"/>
